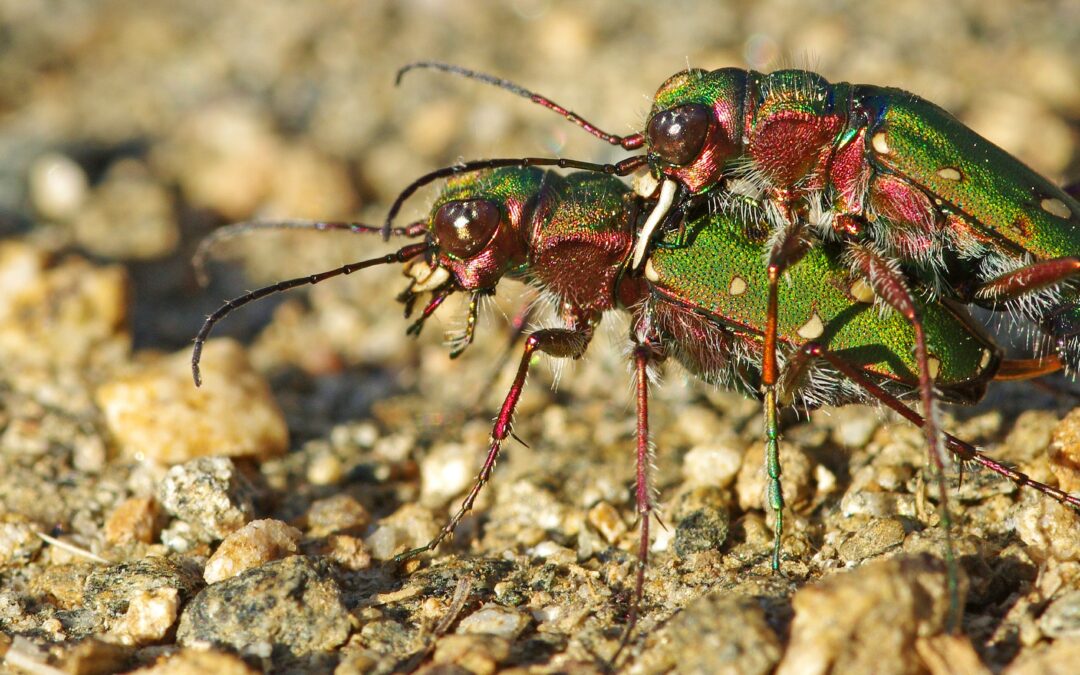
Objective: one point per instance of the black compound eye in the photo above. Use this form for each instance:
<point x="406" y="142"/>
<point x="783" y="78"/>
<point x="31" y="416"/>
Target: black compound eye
<point x="677" y="135"/>
<point x="464" y="227"/>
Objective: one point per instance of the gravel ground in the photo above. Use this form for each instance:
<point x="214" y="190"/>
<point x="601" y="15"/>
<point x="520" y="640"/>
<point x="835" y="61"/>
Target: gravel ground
<point x="247" y="526"/>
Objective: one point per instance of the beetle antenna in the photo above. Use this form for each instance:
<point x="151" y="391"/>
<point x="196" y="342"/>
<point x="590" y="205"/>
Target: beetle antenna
<point x="402" y="255"/>
<point x="631" y="142"/>
<point x="623" y="168"/>
<point x="206" y="248"/>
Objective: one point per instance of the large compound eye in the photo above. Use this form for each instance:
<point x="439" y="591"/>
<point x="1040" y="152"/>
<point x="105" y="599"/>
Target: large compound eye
<point x="677" y="135"/>
<point x="464" y="227"/>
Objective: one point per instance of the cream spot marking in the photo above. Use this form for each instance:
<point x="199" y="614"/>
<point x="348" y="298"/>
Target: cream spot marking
<point x="663" y="204"/>
<point x="984" y="360"/>
<point x="812" y="329"/>
<point x="880" y="143"/>
<point x="1055" y="207"/>
<point x="650" y="271"/>
<point x="861" y="291"/>
<point x="738" y="286"/>
<point x="949" y="173"/>
<point x="933" y="365"/>
<point x="645" y="185"/>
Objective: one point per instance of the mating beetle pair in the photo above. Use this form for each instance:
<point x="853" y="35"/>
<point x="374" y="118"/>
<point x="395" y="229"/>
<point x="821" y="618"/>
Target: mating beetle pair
<point x="842" y="222"/>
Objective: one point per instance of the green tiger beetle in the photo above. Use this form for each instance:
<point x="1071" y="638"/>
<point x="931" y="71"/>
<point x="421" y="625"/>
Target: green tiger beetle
<point x="701" y="297"/>
<point x="916" y="199"/>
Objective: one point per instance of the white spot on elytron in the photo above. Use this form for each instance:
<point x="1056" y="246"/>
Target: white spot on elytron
<point x="933" y="366"/>
<point x="650" y="271"/>
<point x="861" y="291"/>
<point x="738" y="286"/>
<point x="984" y="360"/>
<point x="663" y="204"/>
<point x="949" y="173"/>
<point x="1055" y="207"/>
<point x="880" y="143"/>
<point x="812" y="329"/>
<point x="645" y="185"/>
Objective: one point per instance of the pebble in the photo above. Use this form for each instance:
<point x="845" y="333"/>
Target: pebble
<point x="150" y="615"/>
<point x="19" y="542"/>
<point x="607" y="521"/>
<point x="1065" y="452"/>
<point x="854" y="426"/>
<point x="1061" y="619"/>
<point x="109" y="591"/>
<point x="712" y="465"/>
<point x="254" y="544"/>
<point x="701" y="521"/>
<point x="134" y="520"/>
<point x="719" y="633"/>
<point x="846" y="622"/>
<point x="339" y="513"/>
<point x="157" y="413"/>
<point x="492" y="619"/>
<point x="873" y="538"/>
<point x="479" y="654"/>
<point x="58" y="186"/>
<point x="348" y="551"/>
<point x="409" y="527"/>
<point x="447" y="471"/>
<point x="950" y="655"/>
<point x="1059" y="658"/>
<point x="198" y="662"/>
<point x="1049" y="528"/>
<point x="286" y="607"/>
<point x="325" y="468"/>
<point x="210" y="495"/>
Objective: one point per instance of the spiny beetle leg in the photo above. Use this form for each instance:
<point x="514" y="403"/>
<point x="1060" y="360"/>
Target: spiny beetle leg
<point x="470" y="325"/>
<point x="437" y="299"/>
<point x="888" y="284"/>
<point x="788" y="249"/>
<point x="1030" y="278"/>
<point x="558" y="342"/>
<point x="1028" y="369"/>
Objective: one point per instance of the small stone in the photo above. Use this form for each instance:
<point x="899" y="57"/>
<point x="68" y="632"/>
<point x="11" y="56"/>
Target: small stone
<point x="1058" y="658"/>
<point x="157" y="412"/>
<point x="210" y="495"/>
<point x="701" y="521"/>
<point x="718" y="633"/>
<point x="845" y="623"/>
<point x="876" y="537"/>
<point x="110" y="590"/>
<point x="950" y="655"/>
<point x="1062" y="618"/>
<point x="712" y="465"/>
<point x="1050" y="529"/>
<point x="796" y="477"/>
<point x="607" y="521"/>
<point x="480" y="654"/>
<point x="58" y="186"/>
<point x="325" y="469"/>
<point x="854" y="426"/>
<point x="19" y="542"/>
<point x="348" y="551"/>
<point x="256" y="543"/>
<point x="409" y="527"/>
<point x="133" y="520"/>
<point x="289" y="606"/>
<point x="93" y="656"/>
<point x="446" y="472"/>
<point x="492" y="619"/>
<point x="336" y="514"/>
<point x="198" y="662"/>
<point x="1065" y="452"/>
<point x="150" y="615"/>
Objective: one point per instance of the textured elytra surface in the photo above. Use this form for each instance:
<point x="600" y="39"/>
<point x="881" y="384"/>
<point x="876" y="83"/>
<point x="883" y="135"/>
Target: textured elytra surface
<point x="131" y="129"/>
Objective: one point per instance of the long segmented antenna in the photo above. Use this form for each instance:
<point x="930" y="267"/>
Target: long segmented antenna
<point x="402" y="255"/>
<point x="623" y="168"/>
<point x="631" y="142"/>
<point x="205" y="250"/>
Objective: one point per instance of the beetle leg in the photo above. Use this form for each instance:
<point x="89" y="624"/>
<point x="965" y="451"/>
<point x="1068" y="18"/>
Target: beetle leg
<point x="558" y="342"/>
<point x="470" y="324"/>
<point x="1033" y="277"/>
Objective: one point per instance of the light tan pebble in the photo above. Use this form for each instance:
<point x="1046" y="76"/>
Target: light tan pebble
<point x="58" y="186"/>
<point x="710" y="464"/>
<point x="950" y="655"/>
<point x="348" y="551"/>
<point x="1061" y="619"/>
<point x="796" y="477"/>
<point x="198" y="662"/>
<point x="1050" y="529"/>
<point x="308" y="184"/>
<point x="65" y="312"/>
<point x="1065" y="452"/>
<point x="845" y="623"/>
<point x="19" y="542"/>
<point x="211" y="496"/>
<point x="135" y="519"/>
<point x="480" y="654"/>
<point x="446" y="472"/>
<point x="1058" y="658"/>
<point x="607" y="521"/>
<point x="158" y="414"/>
<point x="854" y="426"/>
<point x="492" y="619"/>
<point x="874" y="538"/>
<point x="150" y="615"/>
<point x="91" y="656"/>
<point x="336" y="514"/>
<point x="409" y="527"/>
<point x="256" y="543"/>
<point x="325" y="468"/>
